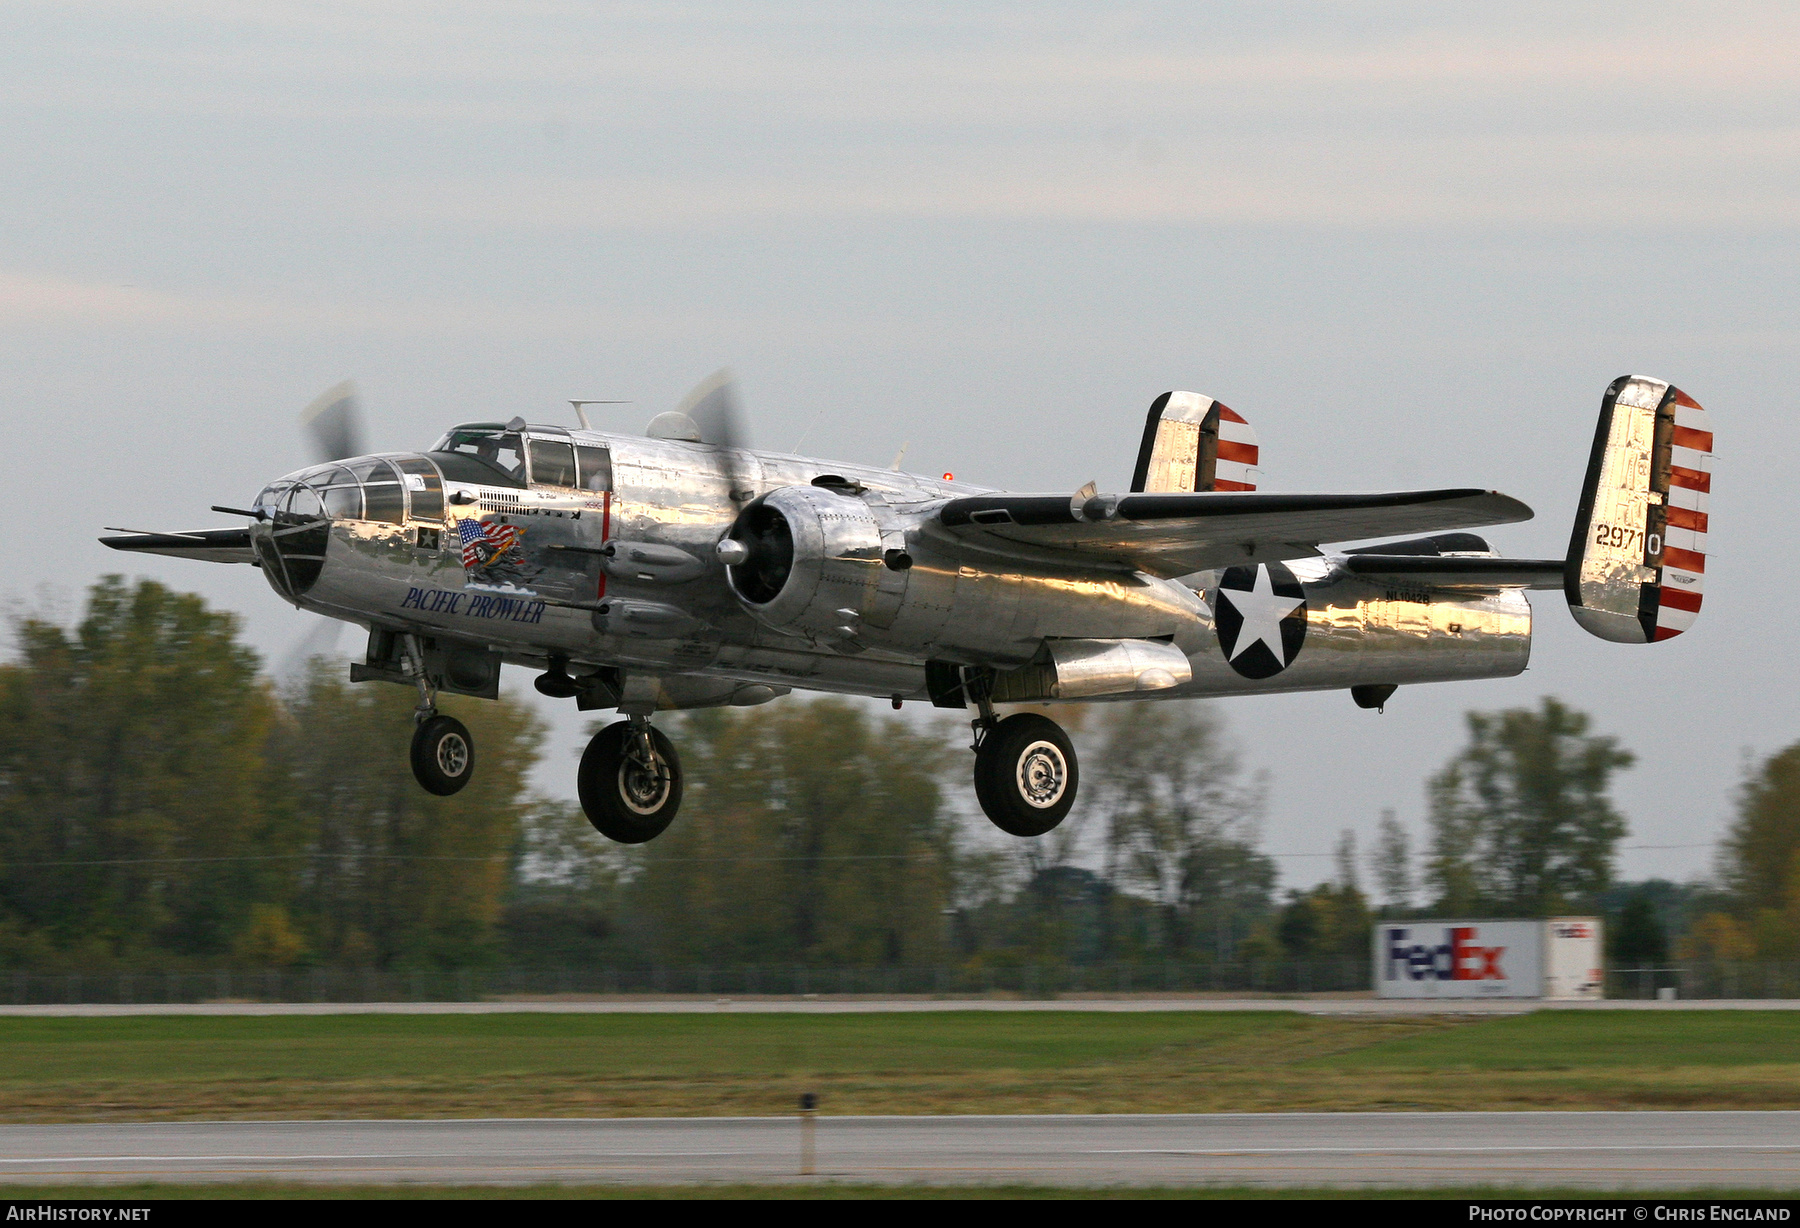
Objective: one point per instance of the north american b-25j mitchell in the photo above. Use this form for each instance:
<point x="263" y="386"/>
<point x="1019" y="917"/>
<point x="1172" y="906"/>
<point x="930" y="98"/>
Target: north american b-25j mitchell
<point x="682" y="569"/>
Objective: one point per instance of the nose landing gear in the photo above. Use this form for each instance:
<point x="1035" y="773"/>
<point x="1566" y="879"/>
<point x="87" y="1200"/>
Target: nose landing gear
<point x="443" y="753"/>
<point x="630" y="781"/>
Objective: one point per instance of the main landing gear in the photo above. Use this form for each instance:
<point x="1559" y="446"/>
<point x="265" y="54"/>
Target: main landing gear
<point x="630" y="776"/>
<point x="630" y="781"/>
<point x="1025" y="771"/>
<point x="630" y="784"/>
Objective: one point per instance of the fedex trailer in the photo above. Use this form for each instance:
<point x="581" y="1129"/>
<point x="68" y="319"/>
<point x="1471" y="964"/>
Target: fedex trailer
<point x="1557" y="958"/>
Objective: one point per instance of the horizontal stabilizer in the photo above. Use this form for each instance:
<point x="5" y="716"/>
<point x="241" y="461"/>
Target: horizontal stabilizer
<point x="1178" y="534"/>
<point x="1462" y="574"/>
<point x="206" y="545"/>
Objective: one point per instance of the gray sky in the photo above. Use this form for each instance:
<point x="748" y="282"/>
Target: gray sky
<point x="1411" y="243"/>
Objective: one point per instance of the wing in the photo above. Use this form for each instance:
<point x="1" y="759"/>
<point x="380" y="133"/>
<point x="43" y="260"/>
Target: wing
<point x="1176" y="534"/>
<point x="207" y="545"/>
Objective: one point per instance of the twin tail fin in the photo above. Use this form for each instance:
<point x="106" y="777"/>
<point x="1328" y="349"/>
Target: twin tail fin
<point x="1194" y="443"/>
<point x="1636" y="568"/>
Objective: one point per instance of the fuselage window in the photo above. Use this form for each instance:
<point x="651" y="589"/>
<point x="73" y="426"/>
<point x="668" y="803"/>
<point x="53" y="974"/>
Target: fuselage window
<point x="552" y="463"/>
<point x="382" y="496"/>
<point x="596" y="468"/>
<point x="423" y="487"/>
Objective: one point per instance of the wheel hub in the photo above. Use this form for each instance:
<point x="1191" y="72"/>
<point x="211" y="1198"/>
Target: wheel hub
<point x="1043" y="775"/>
<point x="452" y="755"/>
<point x="643" y="787"/>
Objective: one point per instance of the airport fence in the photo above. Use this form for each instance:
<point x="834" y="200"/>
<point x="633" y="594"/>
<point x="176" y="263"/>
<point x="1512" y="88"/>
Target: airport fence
<point x="738" y="980"/>
<point x="1745" y="979"/>
<point x="1707" y="980"/>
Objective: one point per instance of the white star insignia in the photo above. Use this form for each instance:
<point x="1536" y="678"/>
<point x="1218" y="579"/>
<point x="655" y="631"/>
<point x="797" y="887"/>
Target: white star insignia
<point x="1262" y="611"/>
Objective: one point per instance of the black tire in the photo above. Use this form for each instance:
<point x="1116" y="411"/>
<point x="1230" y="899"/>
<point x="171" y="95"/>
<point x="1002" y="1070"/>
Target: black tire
<point x="443" y="755"/>
<point x="1026" y="774"/>
<point x="621" y="799"/>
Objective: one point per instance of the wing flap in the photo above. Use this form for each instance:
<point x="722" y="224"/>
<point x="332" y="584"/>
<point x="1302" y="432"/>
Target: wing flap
<point x="1174" y="534"/>
<point x="207" y="545"/>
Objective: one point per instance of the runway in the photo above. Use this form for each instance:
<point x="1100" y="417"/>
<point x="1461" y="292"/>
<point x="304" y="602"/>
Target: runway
<point x="1647" y="1150"/>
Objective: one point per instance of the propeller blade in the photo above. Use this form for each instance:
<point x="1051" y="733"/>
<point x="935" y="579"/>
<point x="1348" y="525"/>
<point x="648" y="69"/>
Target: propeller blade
<point x="334" y="421"/>
<point x="320" y="641"/>
<point x="716" y="410"/>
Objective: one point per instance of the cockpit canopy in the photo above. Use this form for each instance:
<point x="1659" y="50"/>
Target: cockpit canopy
<point x="493" y="454"/>
<point x="363" y="488"/>
<point x="296" y="512"/>
<point x="485" y="453"/>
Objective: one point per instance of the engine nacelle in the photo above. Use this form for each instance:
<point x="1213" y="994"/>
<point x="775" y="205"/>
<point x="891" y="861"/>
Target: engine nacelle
<point x="811" y="560"/>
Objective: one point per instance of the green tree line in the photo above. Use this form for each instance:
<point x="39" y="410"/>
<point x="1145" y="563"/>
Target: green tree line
<point x="164" y="803"/>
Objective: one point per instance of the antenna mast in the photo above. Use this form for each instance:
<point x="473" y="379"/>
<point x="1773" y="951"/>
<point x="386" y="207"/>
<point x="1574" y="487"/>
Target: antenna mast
<point x="581" y="410"/>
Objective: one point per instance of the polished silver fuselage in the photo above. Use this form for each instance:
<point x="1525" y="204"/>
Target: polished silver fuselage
<point x="983" y="604"/>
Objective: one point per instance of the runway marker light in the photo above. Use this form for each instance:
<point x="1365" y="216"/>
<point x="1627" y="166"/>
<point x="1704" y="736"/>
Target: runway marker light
<point x="808" y="1103"/>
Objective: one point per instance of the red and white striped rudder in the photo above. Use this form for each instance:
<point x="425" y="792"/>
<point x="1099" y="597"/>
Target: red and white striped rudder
<point x="1192" y="442"/>
<point x="1637" y="561"/>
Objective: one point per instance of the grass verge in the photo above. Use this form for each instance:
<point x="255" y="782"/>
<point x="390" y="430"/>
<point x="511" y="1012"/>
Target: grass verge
<point x="526" y="1065"/>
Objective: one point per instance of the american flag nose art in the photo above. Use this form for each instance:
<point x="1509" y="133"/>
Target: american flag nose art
<point x="478" y="533"/>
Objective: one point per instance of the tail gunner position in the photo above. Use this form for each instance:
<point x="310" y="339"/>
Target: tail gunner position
<point x="681" y="569"/>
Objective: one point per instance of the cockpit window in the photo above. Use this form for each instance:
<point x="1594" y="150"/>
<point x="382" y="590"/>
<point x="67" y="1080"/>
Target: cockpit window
<point x="494" y="447"/>
<point x="339" y="492"/>
<point x="291" y="546"/>
<point x="552" y="463"/>
<point x="272" y="498"/>
<point x="422" y="487"/>
<point x="303" y="503"/>
<point x="383" y="498"/>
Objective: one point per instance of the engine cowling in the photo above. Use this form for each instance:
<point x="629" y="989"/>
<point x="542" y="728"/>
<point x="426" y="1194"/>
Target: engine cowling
<point x="811" y="560"/>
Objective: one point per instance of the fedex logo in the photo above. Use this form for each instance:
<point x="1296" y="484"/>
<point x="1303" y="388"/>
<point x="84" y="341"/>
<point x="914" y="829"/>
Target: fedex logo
<point x="1572" y="930"/>
<point x="1459" y="959"/>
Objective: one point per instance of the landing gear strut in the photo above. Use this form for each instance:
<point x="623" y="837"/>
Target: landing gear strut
<point x="443" y="753"/>
<point x="630" y="781"/>
<point x="1025" y="770"/>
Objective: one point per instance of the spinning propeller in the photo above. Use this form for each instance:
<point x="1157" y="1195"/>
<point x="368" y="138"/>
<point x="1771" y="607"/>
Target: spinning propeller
<point x="716" y="413"/>
<point x="333" y="425"/>
<point x="758" y="548"/>
<point x="334" y="422"/>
